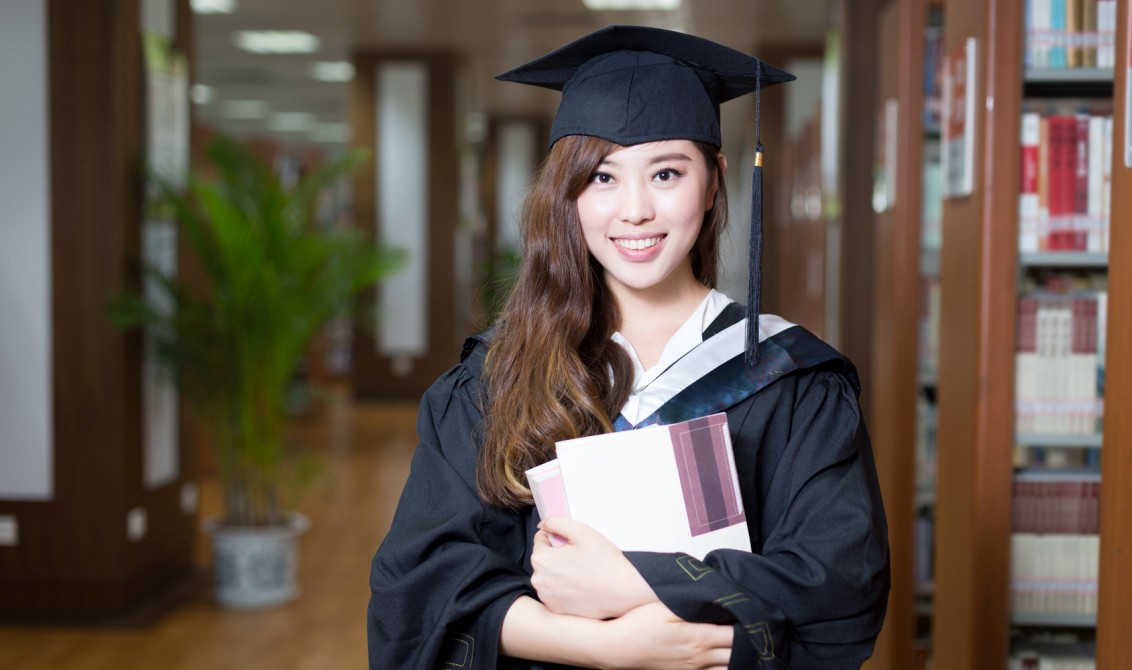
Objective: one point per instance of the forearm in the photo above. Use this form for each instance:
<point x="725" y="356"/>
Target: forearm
<point x="530" y="631"/>
<point x="650" y="636"/>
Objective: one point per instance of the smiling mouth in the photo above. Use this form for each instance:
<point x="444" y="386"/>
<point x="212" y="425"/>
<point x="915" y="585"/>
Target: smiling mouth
<point x="637" y="245"/>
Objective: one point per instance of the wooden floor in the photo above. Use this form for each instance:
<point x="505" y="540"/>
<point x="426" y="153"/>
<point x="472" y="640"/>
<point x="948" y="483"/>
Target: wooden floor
<point x="367" y="450"/>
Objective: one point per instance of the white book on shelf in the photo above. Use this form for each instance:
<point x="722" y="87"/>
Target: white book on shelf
<point x="1028" y="206"/>
<point x="1096" y="185"/>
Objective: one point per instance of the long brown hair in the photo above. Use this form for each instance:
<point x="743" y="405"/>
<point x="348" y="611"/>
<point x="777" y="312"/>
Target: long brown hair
<point x="553" y="373"/>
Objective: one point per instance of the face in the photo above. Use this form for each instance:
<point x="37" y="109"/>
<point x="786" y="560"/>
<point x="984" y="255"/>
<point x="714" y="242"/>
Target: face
<point x="642" y="211"/>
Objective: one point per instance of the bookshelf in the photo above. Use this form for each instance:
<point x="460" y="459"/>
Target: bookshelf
<point x="979" y="326"/>
<point x="895" y="367"/>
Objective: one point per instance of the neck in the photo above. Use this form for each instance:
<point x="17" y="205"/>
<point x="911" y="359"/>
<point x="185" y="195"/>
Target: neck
<point x="651" y="317"/>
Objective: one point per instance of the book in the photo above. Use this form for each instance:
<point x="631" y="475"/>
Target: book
<point x="546" y="486"/>
<point x="666" y="488"/>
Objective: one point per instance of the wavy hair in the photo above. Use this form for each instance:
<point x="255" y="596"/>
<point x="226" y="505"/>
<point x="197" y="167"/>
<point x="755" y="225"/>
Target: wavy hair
<point x="552" y="371"/>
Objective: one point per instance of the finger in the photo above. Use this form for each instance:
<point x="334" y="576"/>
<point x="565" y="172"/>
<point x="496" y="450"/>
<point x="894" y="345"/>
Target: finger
<point x="562" y="527"/>
<point x="541" y="539"/>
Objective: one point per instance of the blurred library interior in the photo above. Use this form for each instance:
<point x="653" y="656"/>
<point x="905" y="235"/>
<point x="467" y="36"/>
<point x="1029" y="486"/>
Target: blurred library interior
<point x="942" y="204"/>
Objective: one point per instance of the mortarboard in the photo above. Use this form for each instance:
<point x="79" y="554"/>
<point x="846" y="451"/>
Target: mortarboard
<point x="633" y="84"/>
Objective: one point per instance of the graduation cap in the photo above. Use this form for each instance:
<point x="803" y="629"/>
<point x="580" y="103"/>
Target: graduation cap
<point x="633" y="84"/>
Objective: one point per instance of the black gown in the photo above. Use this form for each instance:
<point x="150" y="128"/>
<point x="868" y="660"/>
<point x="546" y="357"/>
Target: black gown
<point x="811" y="593"/>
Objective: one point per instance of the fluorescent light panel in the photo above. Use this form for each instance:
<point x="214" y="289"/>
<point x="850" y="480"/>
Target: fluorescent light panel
<point x="201" y="94"/>
<point x="290" y="122"/>
<point x="244" y="109"/>
<point x="631" y="5"/>
<point x="276" y="41"/>
<point x="213" y="6"/>
<point x="337" y="132"/>
<point x="332" y="71"/>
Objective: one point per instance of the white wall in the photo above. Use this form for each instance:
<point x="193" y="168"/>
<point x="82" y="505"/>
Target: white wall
<point x="402" y="217"/>
<point x="517" y="148"/>
<point x="26" y="449"/>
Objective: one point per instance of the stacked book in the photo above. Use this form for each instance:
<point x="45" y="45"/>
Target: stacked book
<point x="1053" y="574"/>
<point x="1057" y="502"/>
<point x="1059" y="369"/>
<point x="1066" y="182"/>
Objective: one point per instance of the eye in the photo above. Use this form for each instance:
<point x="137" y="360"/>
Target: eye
<point x="601" y="178"/>
<point x="667" y="174"/>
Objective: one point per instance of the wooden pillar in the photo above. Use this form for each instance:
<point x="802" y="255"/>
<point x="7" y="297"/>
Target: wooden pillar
<point x="853" y="206"/>
<point x="1114" y="644"/>
<point x="976" y="368"/>
<point x="895" y="317"/>
<point x="75" y="559"/>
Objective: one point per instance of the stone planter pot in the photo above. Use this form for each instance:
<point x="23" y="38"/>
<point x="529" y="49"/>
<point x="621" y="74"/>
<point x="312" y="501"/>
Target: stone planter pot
<point x="255" y="567"/>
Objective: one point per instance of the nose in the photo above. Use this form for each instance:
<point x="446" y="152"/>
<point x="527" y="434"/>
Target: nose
<point x="635" y="203"/>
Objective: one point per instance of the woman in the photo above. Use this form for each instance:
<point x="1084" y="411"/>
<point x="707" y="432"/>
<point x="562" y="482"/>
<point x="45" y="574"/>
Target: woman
<point x="614" y="324"/>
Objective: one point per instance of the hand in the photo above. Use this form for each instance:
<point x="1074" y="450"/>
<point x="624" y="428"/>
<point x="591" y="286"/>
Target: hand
<point x="652" y="637"/>
<point x="588" y="576"/>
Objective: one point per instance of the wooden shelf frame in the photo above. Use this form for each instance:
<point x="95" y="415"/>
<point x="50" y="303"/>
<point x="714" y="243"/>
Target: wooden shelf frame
<point x="1114" y="645"/>
<point x="980" y="262"/>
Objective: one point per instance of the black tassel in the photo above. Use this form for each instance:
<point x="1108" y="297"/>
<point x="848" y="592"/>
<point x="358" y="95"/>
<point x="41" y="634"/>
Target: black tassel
<point x="755" y="252"/>
<point x="754" y="260"/>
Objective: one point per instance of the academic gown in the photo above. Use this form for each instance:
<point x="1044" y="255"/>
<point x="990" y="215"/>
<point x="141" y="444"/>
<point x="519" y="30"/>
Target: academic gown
<point x="811" y="593"/>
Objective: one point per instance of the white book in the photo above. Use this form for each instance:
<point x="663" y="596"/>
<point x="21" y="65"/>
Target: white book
<point x="661" y="488"/>
<point x="1096" y="185"/>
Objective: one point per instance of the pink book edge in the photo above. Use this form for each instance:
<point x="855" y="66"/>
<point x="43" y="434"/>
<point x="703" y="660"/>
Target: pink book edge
<point x="549" y="493"/>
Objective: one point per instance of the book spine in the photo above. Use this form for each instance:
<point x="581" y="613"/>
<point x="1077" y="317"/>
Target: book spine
<point x="1080" y="183"/>
<point x="1090" y="38"/>
<point x="1058" y="57"/>
<point x="1044" y="163"/>
<point x="1027" y="350"/>
<point x="1028" y="201"/>
<point x="1073" y="20"/>
<point x="1095" y="179"/>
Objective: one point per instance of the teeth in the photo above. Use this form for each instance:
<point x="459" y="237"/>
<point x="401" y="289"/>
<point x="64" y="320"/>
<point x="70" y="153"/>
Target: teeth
<point x="637" y="244"/>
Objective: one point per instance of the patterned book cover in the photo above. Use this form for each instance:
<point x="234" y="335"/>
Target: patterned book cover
<point x="660" y="488"/>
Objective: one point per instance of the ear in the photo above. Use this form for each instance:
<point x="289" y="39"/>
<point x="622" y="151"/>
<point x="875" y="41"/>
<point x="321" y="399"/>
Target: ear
<point x="721" y="168"/>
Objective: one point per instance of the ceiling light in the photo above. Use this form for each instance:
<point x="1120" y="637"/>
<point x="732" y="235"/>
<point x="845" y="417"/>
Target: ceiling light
<point x="338" y="132"/>
<point x="213" y="6"/>
<point x="631" y="5"/>
<point x="276" y="41"/>
<point x="332" y="71"/>
<point x="201" y="94"/>
<point x="244" y="109"/>
<point x="290" y="122"/>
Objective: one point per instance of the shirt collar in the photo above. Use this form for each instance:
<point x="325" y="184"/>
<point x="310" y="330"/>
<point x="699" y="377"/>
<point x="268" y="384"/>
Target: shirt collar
<point x="686" y="338"/>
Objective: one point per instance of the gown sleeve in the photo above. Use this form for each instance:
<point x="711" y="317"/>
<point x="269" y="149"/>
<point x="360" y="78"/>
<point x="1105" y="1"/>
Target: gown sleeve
<point x="813" y="590"/>
<point x="450" y="566"/>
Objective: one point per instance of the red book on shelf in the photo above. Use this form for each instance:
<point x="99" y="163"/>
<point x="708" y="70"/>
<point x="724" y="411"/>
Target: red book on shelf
<point x="1081" y="184"/>
<point x="1028" y="200"/>
<point x="1063" y="158"/>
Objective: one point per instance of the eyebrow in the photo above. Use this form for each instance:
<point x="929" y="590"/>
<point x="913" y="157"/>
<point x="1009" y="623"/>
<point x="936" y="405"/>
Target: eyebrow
<point x="662" y="158"/>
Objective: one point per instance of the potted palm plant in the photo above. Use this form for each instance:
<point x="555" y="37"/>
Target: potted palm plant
<point x="269" y="280"/>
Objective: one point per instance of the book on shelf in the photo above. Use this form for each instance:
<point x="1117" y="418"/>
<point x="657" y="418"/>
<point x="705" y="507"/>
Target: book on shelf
<point x="668" y="488"/>
<point x="1070" y="33"/>
<point x="1054" y="573"/>
<point x="1059" y="363"/>
<point x="933" y="77"/>
<point x="1064" y="203"/>
<point x="1056" y="501"/>
<point x="1032" y="660"/>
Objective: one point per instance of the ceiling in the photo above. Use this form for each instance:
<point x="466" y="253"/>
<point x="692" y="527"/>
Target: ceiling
<point x="488" y="36"/>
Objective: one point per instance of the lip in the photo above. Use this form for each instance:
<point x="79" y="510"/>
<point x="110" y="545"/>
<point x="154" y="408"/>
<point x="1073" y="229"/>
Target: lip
<point x="645" y="252"/>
